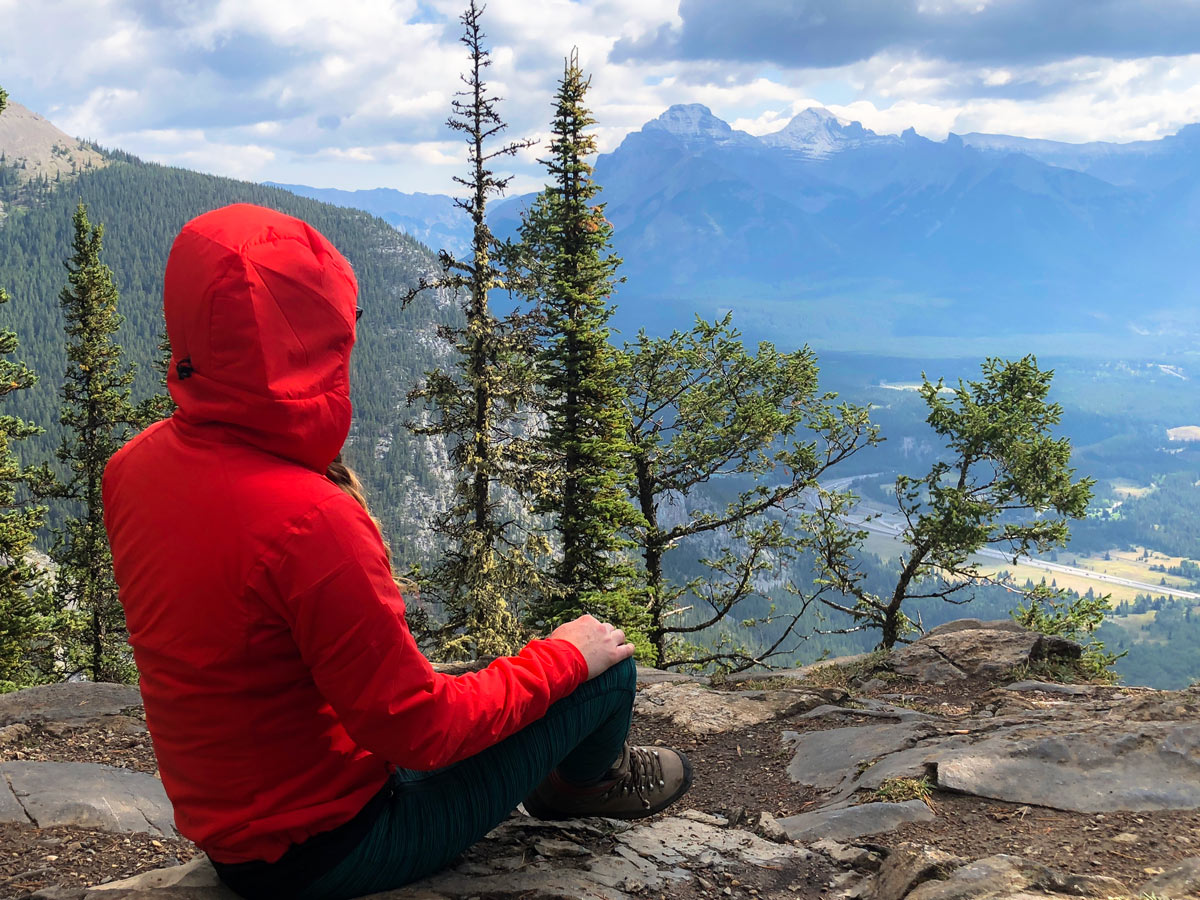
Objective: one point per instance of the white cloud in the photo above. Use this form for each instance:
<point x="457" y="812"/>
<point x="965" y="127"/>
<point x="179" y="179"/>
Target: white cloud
<point x="354" y="94"/>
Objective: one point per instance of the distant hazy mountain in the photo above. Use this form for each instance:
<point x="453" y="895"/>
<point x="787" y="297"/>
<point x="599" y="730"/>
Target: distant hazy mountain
<point x="1137" y="163"/>
<point x="828" y="233"/>
<point x="431" y="218"/>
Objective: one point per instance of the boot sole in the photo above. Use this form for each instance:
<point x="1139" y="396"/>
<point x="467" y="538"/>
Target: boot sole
<point x="539" y="810"/>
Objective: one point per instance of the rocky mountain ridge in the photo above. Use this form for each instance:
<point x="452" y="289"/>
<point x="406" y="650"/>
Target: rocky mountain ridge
<point x="943" y="771"/>
<point x="36" y="148"/>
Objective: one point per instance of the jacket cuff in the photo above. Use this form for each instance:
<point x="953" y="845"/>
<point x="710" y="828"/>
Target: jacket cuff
<point x="565" y="667"/>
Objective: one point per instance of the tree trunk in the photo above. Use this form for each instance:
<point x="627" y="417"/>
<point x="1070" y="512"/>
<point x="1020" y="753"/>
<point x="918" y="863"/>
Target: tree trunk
<point x="652" y="553"/>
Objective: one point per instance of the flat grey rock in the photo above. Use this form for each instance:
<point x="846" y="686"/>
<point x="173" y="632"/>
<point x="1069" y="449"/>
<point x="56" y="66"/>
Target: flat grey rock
<point x="67" y="701"/>
<point x="1048" y="687"/>
<point x="853" y="822"/>
<point x="827" y="759"/>
<point x="90" y="796"/>
<point x="1147" y="767"/>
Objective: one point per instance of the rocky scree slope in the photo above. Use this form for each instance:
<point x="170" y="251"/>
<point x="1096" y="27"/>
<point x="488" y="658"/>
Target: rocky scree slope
<point x="938" y="771"/>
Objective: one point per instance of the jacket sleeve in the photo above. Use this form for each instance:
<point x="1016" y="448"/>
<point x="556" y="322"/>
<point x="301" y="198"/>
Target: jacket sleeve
<point x="331" y="582"/>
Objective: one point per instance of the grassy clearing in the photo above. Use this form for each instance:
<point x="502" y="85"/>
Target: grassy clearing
<point x="1126" y="489"/>
<point x="1130" y="564"/>
<point x="1081" y="584"/>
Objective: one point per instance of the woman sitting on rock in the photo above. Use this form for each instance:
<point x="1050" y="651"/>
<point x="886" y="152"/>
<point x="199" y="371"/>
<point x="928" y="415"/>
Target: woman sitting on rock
<point x="307" y="745"/>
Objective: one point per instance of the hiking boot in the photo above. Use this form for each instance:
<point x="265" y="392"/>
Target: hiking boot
<point x="645" y="780"/>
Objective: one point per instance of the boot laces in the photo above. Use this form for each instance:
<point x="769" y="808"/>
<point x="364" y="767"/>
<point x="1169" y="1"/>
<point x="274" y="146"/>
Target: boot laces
<point x="643" y="776"/>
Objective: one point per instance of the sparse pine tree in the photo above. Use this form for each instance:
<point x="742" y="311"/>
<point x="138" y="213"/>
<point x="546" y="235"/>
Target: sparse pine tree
<point x="1004" y="483"/>
<point x="566" y="247"/>
<point x="98" y="418"/>
<point x="703" y="407"/>
<point x="480" y="405"/>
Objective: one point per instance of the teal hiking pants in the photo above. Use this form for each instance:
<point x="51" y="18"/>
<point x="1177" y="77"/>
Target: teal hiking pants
<point x="423" y="820"/>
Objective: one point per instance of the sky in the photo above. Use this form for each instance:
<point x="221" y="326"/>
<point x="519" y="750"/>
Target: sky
<point x="355" y="93"/>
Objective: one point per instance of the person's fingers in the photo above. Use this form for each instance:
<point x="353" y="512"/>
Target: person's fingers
<point x="618" y="635"/>
<point x="625" y="651"/>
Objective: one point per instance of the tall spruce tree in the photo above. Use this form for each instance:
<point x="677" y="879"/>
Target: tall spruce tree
<point x="566" y="247"/>
<point x="480" y="406"/>
<point x="97" y="417"/>
<point x="25" y="619"/>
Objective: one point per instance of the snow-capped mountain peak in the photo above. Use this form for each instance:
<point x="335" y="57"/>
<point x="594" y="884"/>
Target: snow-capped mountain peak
<point x="817" y="133"/>
<point x="694" y="122"/>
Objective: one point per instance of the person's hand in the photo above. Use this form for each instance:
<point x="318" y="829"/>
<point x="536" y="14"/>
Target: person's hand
<point x="602" y="645"/>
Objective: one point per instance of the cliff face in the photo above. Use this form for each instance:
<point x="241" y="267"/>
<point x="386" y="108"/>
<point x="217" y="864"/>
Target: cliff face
<point x="940" y="771"/>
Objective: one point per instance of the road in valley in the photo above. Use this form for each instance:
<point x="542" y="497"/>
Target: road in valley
<point x="875" y="518"/>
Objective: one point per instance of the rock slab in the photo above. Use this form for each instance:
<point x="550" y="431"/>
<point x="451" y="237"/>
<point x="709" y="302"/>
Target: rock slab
<point x="88" y="795"/>
<point x="851" y="822"/>
<point x="1146" y="767"/>
<point x="67" y="701"/>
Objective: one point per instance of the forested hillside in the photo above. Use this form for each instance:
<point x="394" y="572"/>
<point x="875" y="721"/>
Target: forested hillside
<point x="142" y="207"/>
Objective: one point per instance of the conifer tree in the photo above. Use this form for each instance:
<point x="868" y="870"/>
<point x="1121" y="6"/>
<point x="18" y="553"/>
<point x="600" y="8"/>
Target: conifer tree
<point x="702" y="407"/>
<point x="97" y="417"/>
<point x="24" y="610"/>
<point x="158" y="405"/>
<point x="1004" y="482"/>
<point x="566" y="246"/>
<point x="480" y="404"/>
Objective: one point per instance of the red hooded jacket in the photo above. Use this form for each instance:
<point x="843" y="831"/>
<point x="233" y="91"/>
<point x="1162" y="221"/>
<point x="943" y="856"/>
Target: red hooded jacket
<point x="280" y="680"/>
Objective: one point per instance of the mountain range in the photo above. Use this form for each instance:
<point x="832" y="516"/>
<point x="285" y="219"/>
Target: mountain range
<point x="828" y="233"/>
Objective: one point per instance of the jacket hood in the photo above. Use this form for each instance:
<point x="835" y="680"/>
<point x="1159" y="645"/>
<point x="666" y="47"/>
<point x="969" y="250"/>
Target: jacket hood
<point x="260" y="311"/>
